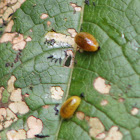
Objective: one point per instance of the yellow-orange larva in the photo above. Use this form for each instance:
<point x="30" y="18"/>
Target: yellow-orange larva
<point x="87" y="42"/>
<point x="69" y="107"/>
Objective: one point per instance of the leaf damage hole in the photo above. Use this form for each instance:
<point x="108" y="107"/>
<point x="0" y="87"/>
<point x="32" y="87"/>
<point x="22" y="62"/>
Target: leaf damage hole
<point x="35" y="126"/>
<point x="16" y="134"/>
<point x="104" y="102"/>
<point x="69" y="58"/>
<point x="75" y="7"/>
<point x="100" y="85"/>
<point x="80" y="115"/>
<point x="134" y="111"/>
<point x="44" y="16"/>
<point x="60" y="39"/>
<point x="56" y="92"/>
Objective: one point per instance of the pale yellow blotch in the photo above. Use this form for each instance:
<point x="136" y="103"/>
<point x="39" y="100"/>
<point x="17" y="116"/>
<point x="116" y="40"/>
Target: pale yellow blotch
<point x="18" y="39"/>
<point x="16" y="6"/>
<point x="28" y="39"/>
<point x="9" y="26"/>
<point x="3" y="3"/>
<point x="72" y="32"/>
<point x="1" y="21"/>
<point x="19" y="46"/>
<point x="19" y="107"/>
<point x="43" y="16"/>
<point x="11" y="82"/>
<point x="96" y="127"/>
<point x="134" y="111"/>
<point x="1" y="91"/>
<point x="11" y="1"/>
<point x="80" y="115"/>
<point x="16" y="135"/>
<point x="56" y="93"/>
<point x="114" y="134"/>
<point x="58" y="37"/>
<point x="16" y="95"/>
<point x="101" y="136"/>
<point x="2" y="114"/>
<point x="1" y="13"/>
<point x="7" y="117"/>
<point x="6" y="37"/>
<point x="35" y="126"/>
<point x="7" y="13"/>
<point x="104" y="102"/>
<point x="100" y="86"/>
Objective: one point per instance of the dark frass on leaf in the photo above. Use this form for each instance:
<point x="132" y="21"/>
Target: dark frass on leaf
<point x="94" y="4"/>
<point x="82" y="95"/>
<point x="50" y="42"/>
<point x="7" y="64"/>
<point x="87" y="2"/>
<point x="55" y="108"/>
<point x="41" y="136"/>
<point x="56" y="59"/>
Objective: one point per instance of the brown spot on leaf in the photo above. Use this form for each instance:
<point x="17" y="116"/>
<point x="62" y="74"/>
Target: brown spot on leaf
<point x="80" y="115"/>
<point x="9" y="26"/>
<point x="7" y="117"/>
<point x="46" y="106"/>
<point x="6" y="14"/>
<point x="76" y="7"/>
<point x="28" y="39"/>
<point x="35" y="126"/>
<point x="134" y="111"/>
<point x="114" y="134"/>
<point x="43" y="16"/>
<point x="48" y="23"/>
<point x="104" y="102"/>
<point x="121" y="100"/>
<point x="6" y="37"/>
<point x="100" y="86"/>
<point x="87" y="118"/>
<point x="1" y="91"/>
<point x="101" y="136"/>
<point x="16" y="95"/>
<point x="96" y="127"/>
<point x="72" y="32"/>
<point x="19" y="107"/>
<point x="19" y="46"/>
<point x="56" y="93"/>
<point x="18" y="39"/>
<point x="16" y="135"/>
<point x="10" y="83"/>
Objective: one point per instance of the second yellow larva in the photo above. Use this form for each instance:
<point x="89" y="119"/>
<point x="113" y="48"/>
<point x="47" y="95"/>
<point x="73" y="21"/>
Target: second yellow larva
<point x="69" y="107"/>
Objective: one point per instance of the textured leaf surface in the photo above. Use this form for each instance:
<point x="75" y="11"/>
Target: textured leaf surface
<point x="115" y="24"/>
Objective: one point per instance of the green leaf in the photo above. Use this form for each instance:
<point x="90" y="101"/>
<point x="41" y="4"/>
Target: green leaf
<point x="43" y="71"/>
